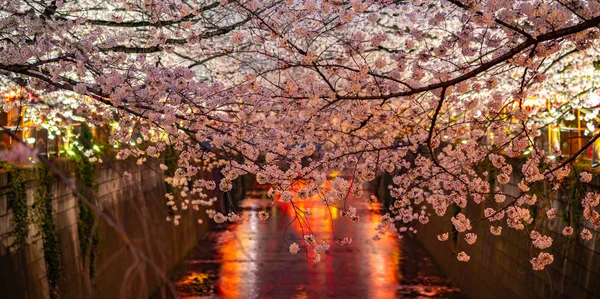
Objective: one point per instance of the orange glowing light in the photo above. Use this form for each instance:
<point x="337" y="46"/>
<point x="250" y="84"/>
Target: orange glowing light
<point x="242" y="275"/>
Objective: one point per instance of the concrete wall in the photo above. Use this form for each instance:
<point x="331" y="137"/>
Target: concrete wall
<point x="499" y="265"/>
<point x="138" y="206"/>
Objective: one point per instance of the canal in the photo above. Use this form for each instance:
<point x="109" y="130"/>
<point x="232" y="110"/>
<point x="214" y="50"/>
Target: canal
<point x="250" y="259"/>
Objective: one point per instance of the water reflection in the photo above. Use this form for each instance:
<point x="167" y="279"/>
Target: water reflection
<point x="251" y="260"/>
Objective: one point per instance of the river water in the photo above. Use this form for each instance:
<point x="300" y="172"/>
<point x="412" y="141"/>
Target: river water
<point x="250" y="259"/>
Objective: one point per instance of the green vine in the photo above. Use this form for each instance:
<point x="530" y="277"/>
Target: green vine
<point x="17" y="201"/>
<point x="572" y="214"/>
<point x="89" y="182"/>
<point x="45" y="222"/>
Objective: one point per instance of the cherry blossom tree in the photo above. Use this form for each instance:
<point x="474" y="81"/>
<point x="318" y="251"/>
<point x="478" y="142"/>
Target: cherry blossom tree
<point x="289" y="91"/>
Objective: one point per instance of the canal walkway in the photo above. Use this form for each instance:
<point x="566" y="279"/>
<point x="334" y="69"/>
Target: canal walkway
<point x="249" y="259"/>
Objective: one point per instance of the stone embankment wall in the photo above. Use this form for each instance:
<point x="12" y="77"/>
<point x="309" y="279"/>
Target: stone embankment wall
<point x="499" y="265"/>
<point x="138" y="206"/>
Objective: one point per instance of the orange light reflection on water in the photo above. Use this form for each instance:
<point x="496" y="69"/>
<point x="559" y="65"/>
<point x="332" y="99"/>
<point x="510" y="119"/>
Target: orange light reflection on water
<point x="384" y="267"/>
<point x="371" y="268"/>
<point x="238" y="273"/>
<point x="318" y="211"/>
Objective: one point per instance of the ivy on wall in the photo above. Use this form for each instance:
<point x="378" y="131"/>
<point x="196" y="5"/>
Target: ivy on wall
<point x="88" y="180"/>
<point x="17" y="201"/>
<point x="45" y="222"/>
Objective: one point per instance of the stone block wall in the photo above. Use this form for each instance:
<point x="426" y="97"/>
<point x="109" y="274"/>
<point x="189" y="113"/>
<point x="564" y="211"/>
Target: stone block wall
<point x="137" y="206"/>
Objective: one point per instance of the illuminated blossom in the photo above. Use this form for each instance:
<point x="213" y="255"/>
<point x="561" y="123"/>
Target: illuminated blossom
<point x="586" y="234"/>
<point x="463" y="257"/>
<point x="286" y="196"/>
<point x="542" y="260"/>
<point x="219" y="218"/>
<point x="263" y="215"/>
<point x="461" y="223"/>
<point x="499" y="198"/>
<point x="540" y="241"/>
<point x="523" y="186"/>
<point x="310" y="240"/>
<point x="233" y="217"/>
<point x="373" y="199"/>
<point x="471" y="238"/>
<point x="211" y="213"/>
<point x="503" y="179"/>
<point x="294" y="248"/>
<point x="442" y="237"/>
<point x="496" y="231"/>
<point x="518" y="217"/>
<point x="586" y="177"/>
<point x="551" y="213"/>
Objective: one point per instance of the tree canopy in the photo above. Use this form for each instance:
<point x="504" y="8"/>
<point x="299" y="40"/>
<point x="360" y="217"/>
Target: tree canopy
<point x="289" y="91"/>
